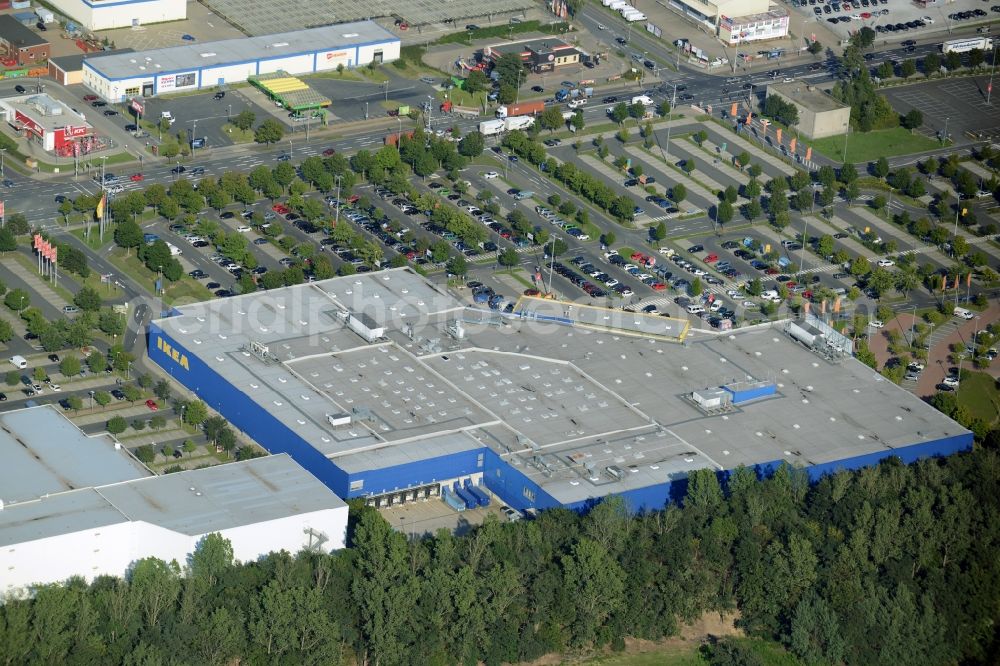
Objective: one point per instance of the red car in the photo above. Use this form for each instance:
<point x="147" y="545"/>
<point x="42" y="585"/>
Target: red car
<point x="711" y="259"/>
<point x="136" y="177"/>
<point x="658" y="286"/>
<point x="328" y="152"/>
<point x="90" y="98"/>
<point x="281" y="209"/>
<point x="152" y="405"/>
<point x="531" y="292"/>
<point x="771" y="271"/>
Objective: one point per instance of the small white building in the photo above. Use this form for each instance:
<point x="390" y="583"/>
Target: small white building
<point x="120" y="77"/>
<point x="76" y="505"/>
<point x="98" y="15"/>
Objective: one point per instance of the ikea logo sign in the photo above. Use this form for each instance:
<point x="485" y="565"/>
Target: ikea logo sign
<point x="173" y="353"/>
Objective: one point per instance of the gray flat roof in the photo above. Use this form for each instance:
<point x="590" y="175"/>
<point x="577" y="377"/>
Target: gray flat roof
<point x="256" y="18"/>
<point x="17" y="34"/>
<point x="231" y="51"/>
<point x="43" y="453"/>
<point x="74" y="62"/>
<point x="224" y="496"/>
<point x="807" y="95"/>
<point x="55" y="480"/>
<point x="561" y="403"/>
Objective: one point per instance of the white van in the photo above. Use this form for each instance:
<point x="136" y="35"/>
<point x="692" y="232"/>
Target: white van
<point x="963" y="313"/>
<point x="695" y="309"/>
<point x="174" y="250"/>
<point x="19" y="362"/>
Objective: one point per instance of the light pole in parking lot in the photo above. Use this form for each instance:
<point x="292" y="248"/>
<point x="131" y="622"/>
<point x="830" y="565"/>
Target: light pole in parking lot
<point x="673" y="102"/>
<point x="289" y="150"/>
<point x="366" y="110"/>
<point x="993" y="66"/>
<point x="3" y="151"/>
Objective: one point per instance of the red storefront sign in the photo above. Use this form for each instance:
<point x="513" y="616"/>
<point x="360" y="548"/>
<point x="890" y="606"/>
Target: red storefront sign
<point x="28" y="123"/>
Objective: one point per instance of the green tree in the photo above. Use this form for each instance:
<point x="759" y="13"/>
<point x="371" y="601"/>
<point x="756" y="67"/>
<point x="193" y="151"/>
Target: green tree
<point x="102" y="398"/>
<point x="69" y="366"/>
<point x="87" y="299"/>
<point x="268" y="132"/>
<point x="678" y="193"/>
<point x="472" y="145"/>
<point x="913" y="119"/>
<point x="508" y="257"/>
<point x="597" y="584"/>
<point x="244" y="120"/>
<point x="17" y="300"/>
<point x="96" y="362"/>
<point x="116" y="425"/>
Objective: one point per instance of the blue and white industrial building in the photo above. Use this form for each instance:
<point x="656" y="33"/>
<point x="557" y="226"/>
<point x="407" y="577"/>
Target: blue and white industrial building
<point x="121" y="77"/>
<point x="108" y="14"/>
<point x="385" y="387"/>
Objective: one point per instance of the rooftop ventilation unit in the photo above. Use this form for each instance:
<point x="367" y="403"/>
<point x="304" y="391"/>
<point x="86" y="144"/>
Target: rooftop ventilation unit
<point x="338" y="420"/>
<point x="615" y="472"/>
<point x="208" y="55"/>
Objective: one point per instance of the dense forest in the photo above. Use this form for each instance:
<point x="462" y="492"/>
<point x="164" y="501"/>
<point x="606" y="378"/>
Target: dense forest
<point x="888" y="565"/>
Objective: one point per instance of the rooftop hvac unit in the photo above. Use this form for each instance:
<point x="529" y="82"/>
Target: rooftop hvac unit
<point x="338" y="420"/>
<point x="615" y="472"/>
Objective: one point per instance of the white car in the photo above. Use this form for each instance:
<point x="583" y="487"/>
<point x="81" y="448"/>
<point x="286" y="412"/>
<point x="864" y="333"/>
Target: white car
<point x="732" y="293"/>
<point x="601" y="26"/>
<point x="950" y="381"/>
<point x="876" y="323"/>
<point x="54" y="387"/>
<point x="490" y="174"/>
<point x="243" y="228"/>
<point x="886" y="263"/>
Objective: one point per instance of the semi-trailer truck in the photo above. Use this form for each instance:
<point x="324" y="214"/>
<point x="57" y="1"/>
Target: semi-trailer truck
<point x="967" y="44"/>
<point x="522" y="109"/>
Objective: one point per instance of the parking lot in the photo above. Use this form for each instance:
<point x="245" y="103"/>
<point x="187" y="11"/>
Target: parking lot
<point x="895" y="20"/>
<point x="958" y="103"/>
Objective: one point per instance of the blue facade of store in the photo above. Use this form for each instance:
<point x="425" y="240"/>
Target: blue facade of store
<point x="502" y="478"/>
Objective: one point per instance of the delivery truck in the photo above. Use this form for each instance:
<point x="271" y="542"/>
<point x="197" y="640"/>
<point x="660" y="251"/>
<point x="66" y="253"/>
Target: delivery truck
<point x="967" y="44"/>
<point x="522" y="109"/>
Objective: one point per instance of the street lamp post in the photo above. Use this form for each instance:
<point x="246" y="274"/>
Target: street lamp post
<point x="366" y="110"/>
<point x="229" y="112"/>
<point x="289" y="149"/>
<point x="194" y="133"/>
<point x="993" y="66"/>
<point x="3" y="151"/>
<point x="945" y="137"/>
<point x="673" y="102"/>
<point x="429" y="108"/>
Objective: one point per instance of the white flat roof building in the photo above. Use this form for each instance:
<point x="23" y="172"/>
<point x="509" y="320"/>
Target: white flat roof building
<point x="120" y="77"/>
<point x="76" y="505"/>
<point x="107" y="14"/>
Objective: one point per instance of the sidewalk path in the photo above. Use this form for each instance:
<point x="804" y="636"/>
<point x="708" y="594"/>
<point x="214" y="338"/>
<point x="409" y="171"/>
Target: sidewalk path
<point x="959" y="331"/>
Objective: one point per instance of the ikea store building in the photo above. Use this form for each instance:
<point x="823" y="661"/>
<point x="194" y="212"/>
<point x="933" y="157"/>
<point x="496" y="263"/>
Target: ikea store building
<point x="387" y="388"/>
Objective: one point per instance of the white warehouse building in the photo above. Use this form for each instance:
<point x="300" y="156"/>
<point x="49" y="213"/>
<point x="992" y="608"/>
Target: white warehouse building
<point x="79" y="505"/>
<point x="108" y="14"/>
<point x="120" y="77"/>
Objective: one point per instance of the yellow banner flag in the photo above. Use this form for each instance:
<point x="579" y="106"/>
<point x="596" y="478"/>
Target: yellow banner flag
<point x="101" y="204"/>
